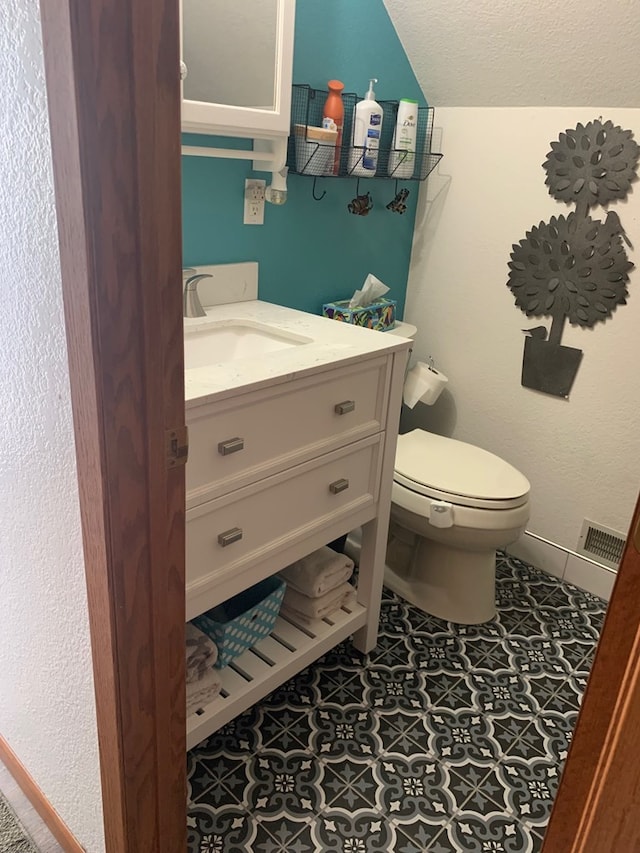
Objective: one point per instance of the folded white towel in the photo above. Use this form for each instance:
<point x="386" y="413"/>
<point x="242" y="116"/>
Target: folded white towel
<point x="319" y="572"/>
<point x="321" y="586"/>
<point x="203" y="691"/>
<point x="201" y="652"/>
<point x="303" y="607"/>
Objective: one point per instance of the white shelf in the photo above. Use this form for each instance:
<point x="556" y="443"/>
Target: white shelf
<point x="269" y="664"/>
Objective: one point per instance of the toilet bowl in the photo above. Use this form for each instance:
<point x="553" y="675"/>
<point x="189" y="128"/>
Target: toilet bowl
<point x="453" y="504"/>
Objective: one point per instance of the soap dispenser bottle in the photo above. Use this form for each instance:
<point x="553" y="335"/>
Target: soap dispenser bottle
<point x="367" y="127"/>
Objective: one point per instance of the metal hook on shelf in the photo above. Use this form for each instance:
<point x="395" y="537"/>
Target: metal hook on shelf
<point x="399" y="203"/>
<point x="313" y="191"/>
<point x="361" y="204"/>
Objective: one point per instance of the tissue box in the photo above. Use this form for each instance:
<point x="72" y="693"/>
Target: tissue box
<point x="380" y="316"/>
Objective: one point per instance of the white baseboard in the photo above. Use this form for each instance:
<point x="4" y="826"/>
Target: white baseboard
<point x="564" y="564"/>
<point x="542" y="554"/>
<point x="589" y="575"/>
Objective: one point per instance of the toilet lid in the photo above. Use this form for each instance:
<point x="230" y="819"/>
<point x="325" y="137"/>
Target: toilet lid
<point x="461" y="473"/>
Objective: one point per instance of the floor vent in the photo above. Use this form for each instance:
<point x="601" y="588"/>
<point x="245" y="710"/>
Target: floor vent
<point x="601" y="543"/>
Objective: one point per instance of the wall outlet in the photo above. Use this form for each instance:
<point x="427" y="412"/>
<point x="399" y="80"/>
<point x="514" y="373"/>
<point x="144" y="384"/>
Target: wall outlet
<point x="254" y="201"/>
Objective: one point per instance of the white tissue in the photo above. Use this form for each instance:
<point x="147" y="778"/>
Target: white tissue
<point x="372" y="290"/>
<point x="423" y="384"/>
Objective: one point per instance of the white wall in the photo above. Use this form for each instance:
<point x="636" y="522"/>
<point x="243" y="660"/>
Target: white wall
<point x="47" y="707"/>
<point x="581" y="455"/>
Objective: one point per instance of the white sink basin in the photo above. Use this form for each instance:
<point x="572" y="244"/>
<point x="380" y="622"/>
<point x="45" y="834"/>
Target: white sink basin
<point x="227" y="340"/>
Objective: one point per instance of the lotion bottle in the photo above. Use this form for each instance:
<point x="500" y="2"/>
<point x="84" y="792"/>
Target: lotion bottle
<point x="367" y="127"/>
<point x="402" y="159"/>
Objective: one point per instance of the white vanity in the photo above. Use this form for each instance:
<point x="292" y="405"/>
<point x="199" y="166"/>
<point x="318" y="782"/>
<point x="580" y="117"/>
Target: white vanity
<point x="292" y="432"/>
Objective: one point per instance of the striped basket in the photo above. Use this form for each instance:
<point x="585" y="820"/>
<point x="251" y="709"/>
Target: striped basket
<point x="241" y="621"/>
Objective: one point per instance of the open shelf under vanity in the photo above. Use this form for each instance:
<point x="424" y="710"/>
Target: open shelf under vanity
<point x="288" y="649"/>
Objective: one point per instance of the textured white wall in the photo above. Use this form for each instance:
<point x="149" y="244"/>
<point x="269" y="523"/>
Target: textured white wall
<point x="582" y="456"/>
<point x="514" y="53"/>
<point x="47" y="707"/>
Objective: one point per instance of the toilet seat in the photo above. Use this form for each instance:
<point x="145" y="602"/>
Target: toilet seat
<point x="445" y="469"/>
<point x="477" y="518"/>
<point x="458" y="500"/>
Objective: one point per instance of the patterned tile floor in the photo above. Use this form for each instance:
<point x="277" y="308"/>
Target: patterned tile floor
<point x="445" y="738"/>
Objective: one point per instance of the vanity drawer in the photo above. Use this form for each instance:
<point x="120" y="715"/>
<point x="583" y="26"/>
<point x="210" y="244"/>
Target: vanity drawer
<point x="236" y="531"/>
<point x="254" y="435"/>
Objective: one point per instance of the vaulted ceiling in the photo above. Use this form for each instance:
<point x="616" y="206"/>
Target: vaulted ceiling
<point x="509" y="53"/>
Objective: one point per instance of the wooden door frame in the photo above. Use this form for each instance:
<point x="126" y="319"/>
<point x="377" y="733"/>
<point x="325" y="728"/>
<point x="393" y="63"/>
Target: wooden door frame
<point x="113" y="92"/>
<point x="596" y="809"/>
<point x="114" y="106"/>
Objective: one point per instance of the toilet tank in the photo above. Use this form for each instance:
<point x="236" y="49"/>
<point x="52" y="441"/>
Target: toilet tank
<point x="404" y="330"/>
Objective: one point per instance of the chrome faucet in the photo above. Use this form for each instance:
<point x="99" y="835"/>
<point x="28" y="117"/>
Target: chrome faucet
<point x="192" y="305"/>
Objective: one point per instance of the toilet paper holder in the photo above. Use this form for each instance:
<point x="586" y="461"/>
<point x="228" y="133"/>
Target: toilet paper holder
<point x="430" y="363"/>
<point x="423" y="383"/>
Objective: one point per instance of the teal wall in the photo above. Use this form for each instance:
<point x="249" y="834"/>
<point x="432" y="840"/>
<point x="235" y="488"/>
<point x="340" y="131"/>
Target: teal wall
<point x="309" y="251"/>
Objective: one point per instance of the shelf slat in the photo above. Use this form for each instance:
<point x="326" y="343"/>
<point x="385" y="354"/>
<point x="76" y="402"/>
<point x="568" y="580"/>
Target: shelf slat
<point x="231" y="681"/>
<point x="265" y="677"/>
<point x="293" y="635"/>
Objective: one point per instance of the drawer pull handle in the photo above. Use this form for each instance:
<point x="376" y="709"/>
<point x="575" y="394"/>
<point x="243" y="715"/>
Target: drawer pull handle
<point x="345" y="407"/>
<point x="231" y="445"/>
<point x="338" y="486"/>
<point x="230" y="536"/>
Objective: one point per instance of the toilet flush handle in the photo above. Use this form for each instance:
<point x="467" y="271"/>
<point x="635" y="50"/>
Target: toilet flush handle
<point x="441" y="514"/>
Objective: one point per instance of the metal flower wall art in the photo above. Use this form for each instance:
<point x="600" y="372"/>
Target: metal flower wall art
<point x="574" y="267"/>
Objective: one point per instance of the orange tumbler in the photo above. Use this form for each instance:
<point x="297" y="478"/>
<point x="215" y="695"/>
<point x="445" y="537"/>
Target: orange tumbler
<point x="333" y="117"/>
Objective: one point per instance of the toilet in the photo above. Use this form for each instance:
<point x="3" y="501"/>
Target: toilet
<point x="452" y="506"/>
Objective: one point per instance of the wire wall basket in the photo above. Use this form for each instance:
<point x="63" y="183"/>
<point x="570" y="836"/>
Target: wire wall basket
<point x="313" y="152"/>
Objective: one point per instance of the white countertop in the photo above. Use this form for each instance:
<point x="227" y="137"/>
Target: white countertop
<point x="332" y="342"/>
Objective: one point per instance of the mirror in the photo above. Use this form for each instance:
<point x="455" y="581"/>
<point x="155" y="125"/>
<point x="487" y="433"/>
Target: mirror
<point x="229" y="47"/>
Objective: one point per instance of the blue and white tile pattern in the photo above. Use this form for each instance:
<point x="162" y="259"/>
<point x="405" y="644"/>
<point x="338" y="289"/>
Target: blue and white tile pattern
<point x="445" y="738"/>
